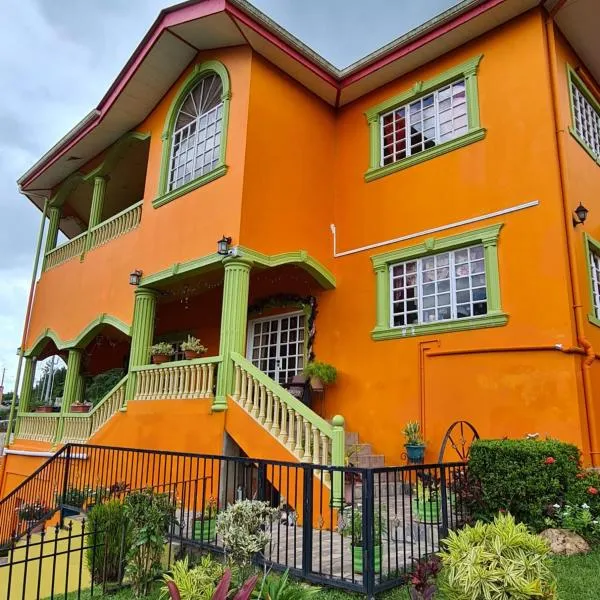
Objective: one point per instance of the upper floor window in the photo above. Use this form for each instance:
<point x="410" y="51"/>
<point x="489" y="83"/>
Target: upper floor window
<point x="593" y="259"/>
<point x="433" y="117"/>
<point x="585" y="115"/>
<point x="195" y="135"/>
<point x="445" y="284"/>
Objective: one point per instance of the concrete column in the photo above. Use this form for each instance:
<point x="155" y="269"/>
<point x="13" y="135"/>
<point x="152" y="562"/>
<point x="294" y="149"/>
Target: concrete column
<point x="27" y="387"/>
<point x="71" y="380"/>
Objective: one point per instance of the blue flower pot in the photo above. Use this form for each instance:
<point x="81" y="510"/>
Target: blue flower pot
<point x="415" y="453"/>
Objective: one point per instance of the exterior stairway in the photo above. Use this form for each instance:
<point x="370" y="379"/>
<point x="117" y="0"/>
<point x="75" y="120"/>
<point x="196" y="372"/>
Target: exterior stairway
<point x="361" y="455"/>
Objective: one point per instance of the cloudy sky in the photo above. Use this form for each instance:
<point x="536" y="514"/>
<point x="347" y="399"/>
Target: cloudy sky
<point x="58" y="57"/>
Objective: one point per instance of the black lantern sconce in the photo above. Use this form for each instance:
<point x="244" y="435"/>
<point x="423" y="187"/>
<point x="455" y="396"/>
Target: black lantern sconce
<point x="223" y="246"/>
<point x="135" y="277"/>
<point x="581" y="212"/>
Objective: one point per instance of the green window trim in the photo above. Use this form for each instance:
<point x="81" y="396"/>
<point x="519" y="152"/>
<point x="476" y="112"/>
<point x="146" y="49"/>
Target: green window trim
<point x="591" y="244"/>
<point x="574" y="79"/>
<point x="466" y="71"/>
<point x="495" y="317"/>
<point x="200" y="70"/>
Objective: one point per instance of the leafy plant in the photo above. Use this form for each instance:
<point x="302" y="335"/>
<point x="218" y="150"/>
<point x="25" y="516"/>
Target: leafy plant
<point x="150" y="516"/>
<point x="585" y="489"/>
<point x="412" y="433"/>
<point x="193" y="344"/>
<point x="350" y="524"/>
<point x="101" y="384"/>
<point x="576" y="518"/>
<point x="210" y="508"/>
<point x="32" y="511"/>
<point x="243" y="593"/>
<point x="422" y="579"/>
<point x="281" y="588"/>
<point x="162" y="349"/>
<point x="522" y="477"/>
<point x="109" y="541"/>
<point x="72" y="497"/>
<point x="496" y="561"/>
<point x="326" y="373"/>
<point x="196" y="583"/>
<point x="242" y="527"/>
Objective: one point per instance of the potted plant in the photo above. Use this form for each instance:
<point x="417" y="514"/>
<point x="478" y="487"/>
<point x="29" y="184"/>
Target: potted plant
<point x="204" y="527"/>
<point x="80" y="407"/>
<point x="414" y="443"/>
<point x="320" y="374"/>
<point x="44" y="408"/>
<point x="351" y="526"/>
<point x="71" y="500"/>
<point x="426" y="504"/>
<point x="193" y="348"/>
<point x="161" y="352"/>
<point x="32" y="513"/>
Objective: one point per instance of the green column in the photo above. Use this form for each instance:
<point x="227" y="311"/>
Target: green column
<point x="54" y="213"/>
<point x="27" y="386"/>
<point x="80" y="388"/>
<point x="492" y="274"/>
<point x="142" y="333"/>
<point x="97" y="200"/>
<point x="234" y="317"/>
<point x="338" y="451"/>
<point x="382" y="299"/>
<point x="71" y="380"/>
<point x="374" y="142"/>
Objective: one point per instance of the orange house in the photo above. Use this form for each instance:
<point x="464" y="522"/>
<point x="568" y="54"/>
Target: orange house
<point x="415" y="220"/>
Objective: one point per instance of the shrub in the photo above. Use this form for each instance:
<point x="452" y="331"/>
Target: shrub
<point x="496" y="561"/>
<point x="585" y="489"/>
<point x="577" y="518"/>
<point x="109" y="541"/>
<point x="242" y="527"/>
<point x="32" y="511"/>
<point x="72" y="497"/>
<point x="274" y="587"/>
<point x="150" y="516"/>
<point x="523" y="477"/>
<point x="197" y="583"/>
<point x="350" y="525"/>
<point x="422" y="579"/>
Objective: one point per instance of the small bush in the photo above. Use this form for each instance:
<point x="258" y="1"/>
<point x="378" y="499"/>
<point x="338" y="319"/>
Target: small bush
<point x="196" y="583"/>
<point x="496" y="561"/>
<point x="109" y="541"/>
<point x="523" y="477"/>
<point x="585" y="489"/>
<point x="577" y="518"/>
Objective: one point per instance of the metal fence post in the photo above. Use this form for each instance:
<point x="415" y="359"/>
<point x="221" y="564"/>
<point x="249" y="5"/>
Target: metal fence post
<point x="307" y="520"/>
<point x="444" y="501"/>
<point x="368" y="519"/>
<point x="65" y="485"/>
<point x="261" y="482"/>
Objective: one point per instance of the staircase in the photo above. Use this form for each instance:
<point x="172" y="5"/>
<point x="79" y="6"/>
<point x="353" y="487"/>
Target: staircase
<point x="361" y="455"/>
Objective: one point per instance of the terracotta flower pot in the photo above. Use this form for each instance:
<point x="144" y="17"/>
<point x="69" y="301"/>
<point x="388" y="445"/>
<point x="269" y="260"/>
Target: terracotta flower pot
<point x="44" y="409"/>
<point x="191" y="355"/>
<point x="80" y="408"/>
<point x="159" y="359"/>
<point x="316" y="384"/>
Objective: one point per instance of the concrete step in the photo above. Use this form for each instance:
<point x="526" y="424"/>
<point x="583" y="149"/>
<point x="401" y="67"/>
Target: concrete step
<point x="369" y="461"/>
<point x="351" y="438"/>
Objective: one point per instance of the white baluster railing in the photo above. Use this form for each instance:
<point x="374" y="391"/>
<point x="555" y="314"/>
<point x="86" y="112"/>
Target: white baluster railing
<point x="66" y="251"/>
<point x="118" y="225"/>
<point x="179" y="380"/>
<point x="40" y="427"/>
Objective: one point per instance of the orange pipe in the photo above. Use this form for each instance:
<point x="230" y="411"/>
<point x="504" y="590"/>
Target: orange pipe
<point x="572" y="262"/>
<point x="555" y="348"/>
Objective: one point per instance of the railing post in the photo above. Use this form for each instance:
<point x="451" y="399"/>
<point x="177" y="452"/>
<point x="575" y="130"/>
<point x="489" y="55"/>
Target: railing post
<point x="338" y="448"/>
<point x="443" y="498"/>
<point x="368" y="533"/>
<point x="307" y="520"/>
<point x="65" y="485"/>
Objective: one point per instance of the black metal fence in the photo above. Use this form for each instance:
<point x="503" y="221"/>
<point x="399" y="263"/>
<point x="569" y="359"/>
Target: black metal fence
<point x="365" y="537"/>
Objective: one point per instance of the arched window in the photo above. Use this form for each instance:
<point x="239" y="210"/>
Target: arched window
<point x="196" y="145"/>
<point x="195" y="133"/>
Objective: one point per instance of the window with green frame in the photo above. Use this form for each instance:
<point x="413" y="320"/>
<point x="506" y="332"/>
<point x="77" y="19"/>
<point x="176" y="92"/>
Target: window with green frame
<point x="195" y="135"/>
<point x="592" y="252"/>
<point x="440" y="285"/>
<point x="585" y="115"/>
<point x="430" y="119"/>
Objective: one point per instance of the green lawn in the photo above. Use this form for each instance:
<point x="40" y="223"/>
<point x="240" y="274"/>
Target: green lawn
<point x="578" y="579"/>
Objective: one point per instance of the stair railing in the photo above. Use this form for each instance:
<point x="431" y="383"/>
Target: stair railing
<point x="306" y="435"/>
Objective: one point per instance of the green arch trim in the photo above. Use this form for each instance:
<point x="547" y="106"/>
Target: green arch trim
<point x="82" y="339"/>
<point x="210" y="262"/>
<point x="200" y="71"/>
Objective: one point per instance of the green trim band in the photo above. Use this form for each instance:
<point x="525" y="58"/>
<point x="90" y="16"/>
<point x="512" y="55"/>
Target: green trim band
<point x="574" y="79"/>
<point x="198" y="72"/>
<point x="495" y="317"/>
<point x="468" y="71"/>
<point x="82" y="339"/>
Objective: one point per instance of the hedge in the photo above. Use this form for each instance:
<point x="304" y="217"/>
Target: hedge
<point x="523" y="477"/>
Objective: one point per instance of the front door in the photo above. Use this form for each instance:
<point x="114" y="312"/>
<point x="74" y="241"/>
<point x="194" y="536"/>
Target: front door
<point x="276" y="345"/>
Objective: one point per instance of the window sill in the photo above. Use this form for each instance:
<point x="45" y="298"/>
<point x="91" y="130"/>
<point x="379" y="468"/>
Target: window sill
<point x="391" y="333"/>
<point x="594" y="320"/>
<point x="464" y="140"/>
<point x="584" y="145"/>
<point x="188" y="187"/>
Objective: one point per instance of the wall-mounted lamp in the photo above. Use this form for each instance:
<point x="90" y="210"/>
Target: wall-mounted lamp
<point x="135" y="277"/>
<point x="581" y="212"/>
<point x="223" y="246"/>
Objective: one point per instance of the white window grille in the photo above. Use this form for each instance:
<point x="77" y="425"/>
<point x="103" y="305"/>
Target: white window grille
<point x="431" y="120"/>
<point x="196" y="144"/>
<point x="595" y="275"/>
<point x="587" y="119"/>
<point x="439" y="287"/>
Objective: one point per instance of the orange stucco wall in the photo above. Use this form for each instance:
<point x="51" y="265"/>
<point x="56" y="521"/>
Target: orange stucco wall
<point x="297" y="166"/>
